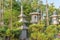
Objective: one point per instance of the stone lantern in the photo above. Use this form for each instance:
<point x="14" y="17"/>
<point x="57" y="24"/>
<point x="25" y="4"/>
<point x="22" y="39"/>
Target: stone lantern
<point x="24" y="28"/>
<point x="54" y="18"/>
<point x="35" y="17"/>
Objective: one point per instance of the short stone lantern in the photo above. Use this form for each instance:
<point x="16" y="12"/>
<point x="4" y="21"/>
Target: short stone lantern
<point x="54" y="18"/>
<point x="35" y="17"/>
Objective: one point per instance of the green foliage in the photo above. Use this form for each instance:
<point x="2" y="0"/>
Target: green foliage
<point x="38" y="36"/>
<point x="14" y="32"/>
<point x="51" y="9"/>
<point x="51" y="29"/>
<point x="58" y="27"/>
<point x="42" y="33"/>
<point x="57" y="39"/>
<point x="36" y="31"/>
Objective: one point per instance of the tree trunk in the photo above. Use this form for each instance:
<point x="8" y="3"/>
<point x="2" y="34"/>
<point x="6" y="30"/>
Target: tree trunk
<point x="41" y="15"/>
<point x="47" y="20"/>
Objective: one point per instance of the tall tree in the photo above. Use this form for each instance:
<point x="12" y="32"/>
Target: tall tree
<point x="51" y="9"/>
<point x="34" y="5"/>
<point x="47" y="17"/>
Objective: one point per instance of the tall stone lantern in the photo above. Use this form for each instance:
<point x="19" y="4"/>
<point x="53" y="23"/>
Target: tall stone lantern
<point x="24" y="28"/>
<point x="54" y="18"/>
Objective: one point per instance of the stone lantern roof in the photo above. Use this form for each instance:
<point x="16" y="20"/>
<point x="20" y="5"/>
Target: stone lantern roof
<point x="35" y="13"/>
<point x="54" y="14"/>
<point x="22" y="20"/>
<point x="21" y="15"/>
